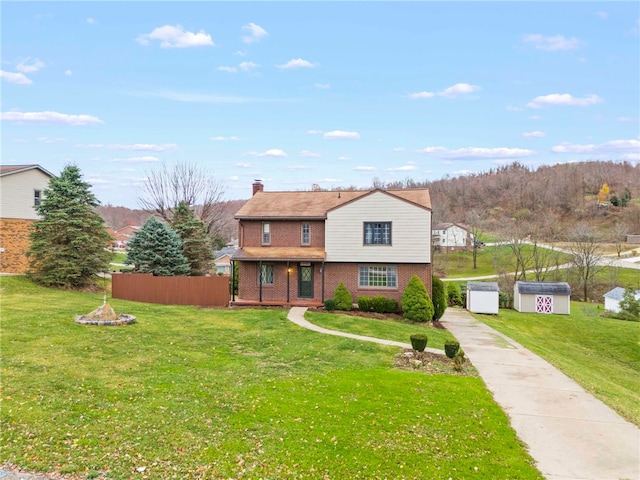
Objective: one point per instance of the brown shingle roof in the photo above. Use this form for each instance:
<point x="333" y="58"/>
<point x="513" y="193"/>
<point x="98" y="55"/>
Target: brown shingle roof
<point x="9" y="169"/>
<point x="279" y="253"/>
<point x="314" y="204"/>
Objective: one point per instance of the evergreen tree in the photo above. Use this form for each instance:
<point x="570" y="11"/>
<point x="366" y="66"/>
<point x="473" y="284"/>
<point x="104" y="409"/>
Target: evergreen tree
<point x="439" y="298"/>
<point x="196" y="244"/>
<point x="157" y="249"/>
<point x="343" y="298"/>
<point x="69" y="245"/>
<point x="416" y="304"/>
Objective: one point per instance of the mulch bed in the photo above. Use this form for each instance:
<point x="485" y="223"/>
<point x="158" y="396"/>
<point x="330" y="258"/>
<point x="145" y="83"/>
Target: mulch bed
<point x="431" y="363"/>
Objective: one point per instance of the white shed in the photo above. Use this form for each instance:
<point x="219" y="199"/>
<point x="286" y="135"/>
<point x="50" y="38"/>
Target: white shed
<point x="542" y="297"/>
<point x="613" y="297"/>
<point x="483" y="297"/>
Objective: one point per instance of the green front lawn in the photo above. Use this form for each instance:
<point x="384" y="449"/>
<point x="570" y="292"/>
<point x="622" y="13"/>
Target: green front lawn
<point x="397" y="330"/>
<point x="601" y="354"/>
<point x="193" y="393"/>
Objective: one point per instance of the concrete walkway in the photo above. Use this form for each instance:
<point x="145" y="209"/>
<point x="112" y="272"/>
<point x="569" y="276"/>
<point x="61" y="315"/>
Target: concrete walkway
<point x="296" y="315"/>
<point x="570" y="434"/>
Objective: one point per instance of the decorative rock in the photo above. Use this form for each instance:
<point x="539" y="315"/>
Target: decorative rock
<point x="103" y="312"/>
<point x="105" y="315"/>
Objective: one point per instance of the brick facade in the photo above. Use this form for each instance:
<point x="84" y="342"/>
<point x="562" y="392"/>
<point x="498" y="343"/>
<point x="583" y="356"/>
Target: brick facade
<point x="284" y="233"/>
<point x="14" y="238"/>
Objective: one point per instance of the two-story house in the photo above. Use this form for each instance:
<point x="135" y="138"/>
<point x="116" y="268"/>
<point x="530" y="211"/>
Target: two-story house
<point x="451" y="236"/>
<point x="296" y="247"/>
<point x="21" y="189"/>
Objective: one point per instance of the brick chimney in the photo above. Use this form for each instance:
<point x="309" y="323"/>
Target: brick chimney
<point x="257" y="187"/>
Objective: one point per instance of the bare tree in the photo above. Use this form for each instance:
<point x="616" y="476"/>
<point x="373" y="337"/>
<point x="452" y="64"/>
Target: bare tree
<point x="585" y="256"/>
<point x="475" y="220"/>
<point x="619" y="234"/>
<point x="166" y="187"/>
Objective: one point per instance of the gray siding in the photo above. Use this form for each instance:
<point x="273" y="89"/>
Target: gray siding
<point x="17" y="192"/>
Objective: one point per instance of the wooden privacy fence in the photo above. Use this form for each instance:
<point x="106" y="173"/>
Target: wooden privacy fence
<point x="144" y="287"/>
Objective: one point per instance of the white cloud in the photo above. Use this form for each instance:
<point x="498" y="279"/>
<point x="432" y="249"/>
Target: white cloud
<point x="228" y="69"/>
<point x="272" y="152"/>
<point x="602" y="14"/>
<point x="50" y="117"/>
<point x="341" y="135"/>
<point x="343" y="158"/>
<point x="240" y="53"/>
<point x="554" y="43"/>
<point x="51" y="139"/>
<point x="171" y="36"/>
<point x="536" y="134"/>
<point x="29" y="66"/>
<point x="90" y="21"/>
<point x="404" y="168"/>
<point x="308" y="154"/>
<point x="243" y="165"/>
<point x="68" y="73"/>
<point x="511" y="108"/>
<point x="449" y="92"/>
<point x="535" y="117"/>
<point x="611" y="147"/>
<point x="363" y="168"/>
<point x="629" y="119"/>
<point x="399" y="149"/>
<point x="144" y="147"/>
<point x="463" y="173"/>
<point x="299" y="167"/>
<point x="191" y="97"/>
<point x="17" y="78"/>
<point x="256" y="33"/>
<point x="323" y="86"/>
<point x="458" y="89"/>
<point x="477" y="153"/>
<point x="143" y="159"/>
<point x="221" y="138"/>
<point x="564" y="99"/>
<point x="247" y="66"/>
<point x="297" y="63"/>
<point x="417" y="95"/>
<point x="630" y="157"/>
<point x="314" y="132"/>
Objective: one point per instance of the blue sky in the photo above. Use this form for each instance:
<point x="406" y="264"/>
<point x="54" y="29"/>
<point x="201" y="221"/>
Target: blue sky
<point x="331" y="93"/>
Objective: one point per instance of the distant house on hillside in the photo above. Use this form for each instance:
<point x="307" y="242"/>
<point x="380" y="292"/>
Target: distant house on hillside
<point x="451" y="236"/>
<point x="122" y="236"/>
<point x="298" y="246"/>
<point x="21" y="189"/>
<point x="613" y="298"/>
<point x="542" y="297"/>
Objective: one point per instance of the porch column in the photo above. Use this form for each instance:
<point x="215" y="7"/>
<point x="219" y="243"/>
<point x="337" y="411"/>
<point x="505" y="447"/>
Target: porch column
<point x="260" y="277"/>
<point x="288" y="280"/>
<point x="233" y="280"/>
<point x="322" y="270"/>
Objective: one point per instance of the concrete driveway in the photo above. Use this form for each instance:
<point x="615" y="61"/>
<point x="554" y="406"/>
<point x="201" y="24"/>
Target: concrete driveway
<point x="570" y="434"/>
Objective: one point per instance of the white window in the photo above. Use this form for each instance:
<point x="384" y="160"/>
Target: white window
<point x="378" y="276"/>
<point x="377" y="233"/>
<point x="266" y="233"/>
<point x="37" y="197"/>
<point x="266" y="274"/>
<point x="306" y="234"/>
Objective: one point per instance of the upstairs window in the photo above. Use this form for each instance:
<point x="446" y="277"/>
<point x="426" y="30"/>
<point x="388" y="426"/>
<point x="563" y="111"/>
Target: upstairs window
<point x="377" y="233"/>
<point x="266" y="234"/>
<point x="306" y="234"/>
<point x="37" y="197"/>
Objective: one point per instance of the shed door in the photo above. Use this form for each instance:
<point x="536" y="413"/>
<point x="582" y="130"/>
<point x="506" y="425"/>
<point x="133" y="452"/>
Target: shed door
<point x="544" y="303"/>
<point x="305" y="281"/>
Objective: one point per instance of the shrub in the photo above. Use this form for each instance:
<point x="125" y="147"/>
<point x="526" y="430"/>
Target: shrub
<point x="391" y="306"/>
<point x="416" y="304"/>
<point x="504" y="300"/>
<point x="453" y="295"/>
<point x="365" y="303"/>
<point x="451" y="347"/>
<point x="379" y="304"/>
<point x="439" y="298"/>
<point x="458" y="360"/>
<point x="463" y="297"/>
<point x="343" y="298"/>
<point x="418" y="342"/>
<point x="629" y="304"/>
<point x="330" y="304"/>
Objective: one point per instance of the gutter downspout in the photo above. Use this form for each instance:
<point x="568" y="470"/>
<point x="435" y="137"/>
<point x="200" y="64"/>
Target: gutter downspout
<point x="260" y="277"/>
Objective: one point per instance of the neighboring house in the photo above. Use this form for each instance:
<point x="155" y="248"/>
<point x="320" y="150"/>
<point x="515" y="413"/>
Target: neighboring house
<point x="296" y="247"/>
<point x="122" y="236"/>
<point x="613" y="298"/>
<point x="451" y="236"/>
<point x="21" y="188"/>
<point x="222" y="261"/>
<point x="542" y="297"/>
<point x="483" y="297"/>
<point x="633" y="239"/>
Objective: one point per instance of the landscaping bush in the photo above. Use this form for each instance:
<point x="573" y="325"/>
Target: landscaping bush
<point x="453" y="295"/>
<point x="458" y="360"/>
<point x="330" y="304"/>
<point x="439" y="298"/>
<point x="343" y="298"/>
<point x="629" y="304"/>
<point x="451" y="347"/>
<point x="463" y="297"/>
<point x="365" y="303"/>
<point x="416" y="304"/>
<point x="504" y="300"/>
<point x="418" y="342"/>
<point x="378" y="303"/>
<point x="391" y="306"/>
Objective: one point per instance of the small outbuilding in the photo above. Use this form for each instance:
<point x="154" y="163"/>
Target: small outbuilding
<point x="542" y="297"/>
<point x="613" y="297"/>
<point x="483" y="297"/>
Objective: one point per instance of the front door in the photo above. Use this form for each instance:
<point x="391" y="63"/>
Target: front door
<point x="305" y="281"/>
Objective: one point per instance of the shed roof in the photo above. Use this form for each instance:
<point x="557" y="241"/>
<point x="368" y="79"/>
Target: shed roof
<point x="544" y="288"/>
<point x="483" y="286"/>
<point x="315" y="204"/>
